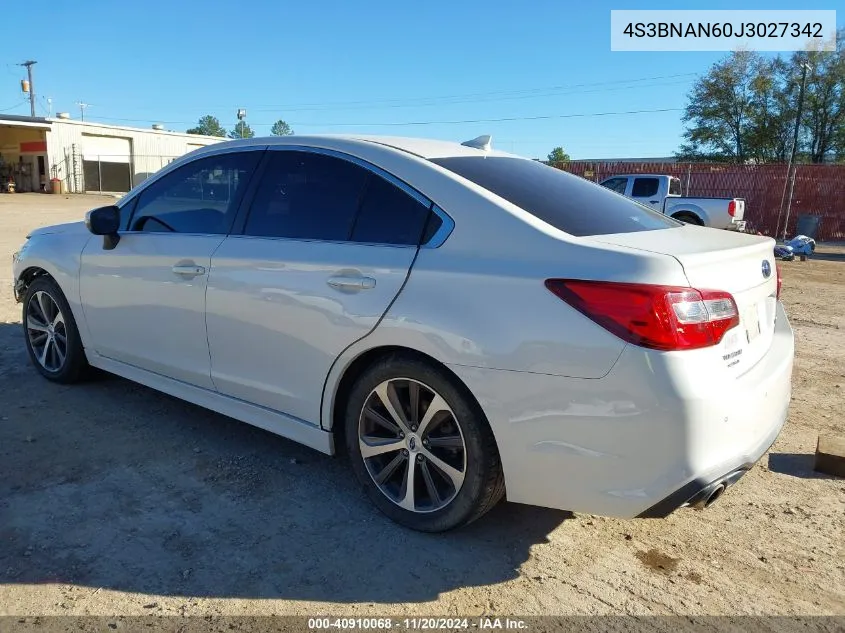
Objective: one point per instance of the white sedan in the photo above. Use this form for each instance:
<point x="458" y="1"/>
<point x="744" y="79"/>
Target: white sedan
<point x="466" y="324"/>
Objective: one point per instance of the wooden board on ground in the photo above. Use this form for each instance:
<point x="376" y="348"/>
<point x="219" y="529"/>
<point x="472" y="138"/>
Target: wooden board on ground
<point x="830" y="456"/>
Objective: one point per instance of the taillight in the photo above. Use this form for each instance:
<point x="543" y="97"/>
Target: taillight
<point x="732" y="208"/>
<point x="780" y="279"/>
<point x="658" y="317"/>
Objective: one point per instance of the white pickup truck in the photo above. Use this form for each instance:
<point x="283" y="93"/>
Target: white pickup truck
<point x="663" y="193"/>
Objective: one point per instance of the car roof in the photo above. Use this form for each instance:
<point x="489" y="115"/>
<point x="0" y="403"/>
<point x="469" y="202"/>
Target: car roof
<point x="422" y="147"/>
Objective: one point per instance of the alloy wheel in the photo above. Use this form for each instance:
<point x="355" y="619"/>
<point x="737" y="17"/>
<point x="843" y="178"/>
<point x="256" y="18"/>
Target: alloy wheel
<point x="46" y="330"/>
<point x="412" y="445"/>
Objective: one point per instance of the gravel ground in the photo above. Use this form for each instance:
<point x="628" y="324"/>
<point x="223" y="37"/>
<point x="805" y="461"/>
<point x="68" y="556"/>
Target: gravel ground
<point x="115" y="499"/>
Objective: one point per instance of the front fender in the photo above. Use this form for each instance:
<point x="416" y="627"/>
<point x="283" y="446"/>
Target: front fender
<point x="58" y="255"/>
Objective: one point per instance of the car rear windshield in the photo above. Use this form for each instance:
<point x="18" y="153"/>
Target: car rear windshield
<point x="569" y="203"/>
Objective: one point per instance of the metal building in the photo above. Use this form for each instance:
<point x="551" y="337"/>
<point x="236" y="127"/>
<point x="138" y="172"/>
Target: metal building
<point x="85" y="156"/>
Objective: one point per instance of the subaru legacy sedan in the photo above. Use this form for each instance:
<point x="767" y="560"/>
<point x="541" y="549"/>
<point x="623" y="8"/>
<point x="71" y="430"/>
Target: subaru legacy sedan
<point x="465" y="324"/>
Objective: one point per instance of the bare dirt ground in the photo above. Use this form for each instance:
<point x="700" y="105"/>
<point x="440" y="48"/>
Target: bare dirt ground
<point x="115" y="499"/>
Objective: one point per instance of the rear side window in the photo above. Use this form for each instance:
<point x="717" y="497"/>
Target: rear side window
<point x="674" y="187"/>
<point x="304" y="195"/>
<point x="616" y="184"/>
<point x="564" y="201"/>
<point x="645" y="187"/>
<point x="388" y="215"/>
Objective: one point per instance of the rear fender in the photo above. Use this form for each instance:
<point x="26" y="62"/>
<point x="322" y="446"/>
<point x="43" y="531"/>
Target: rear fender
<point x="693" y="209"/>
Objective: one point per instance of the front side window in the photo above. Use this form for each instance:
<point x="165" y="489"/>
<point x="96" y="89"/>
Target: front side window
<point x="566" y="202"/>
<point x="305" y="195"/>
<point x="644" y="187"/>
<point x="200" y="197"/>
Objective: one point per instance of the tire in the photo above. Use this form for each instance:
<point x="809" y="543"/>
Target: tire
<point x="64" y="361"/>
<point x="688" y="218"/>
<point x="453" y="485"/>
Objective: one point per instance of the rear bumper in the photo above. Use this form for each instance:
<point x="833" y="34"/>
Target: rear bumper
<point x="737" y="225"/>
<point x="642" y="441"/>
<point x="700" y="491"/>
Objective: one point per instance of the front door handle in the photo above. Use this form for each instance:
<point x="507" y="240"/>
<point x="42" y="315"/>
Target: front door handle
<point x="654" y="201"/>
<point x="352" y="283"/>
<point x="189" y="270"/>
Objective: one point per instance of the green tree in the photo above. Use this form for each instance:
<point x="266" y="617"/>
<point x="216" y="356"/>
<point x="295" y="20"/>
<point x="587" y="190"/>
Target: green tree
<point x="281" y="128"/>
<point x="720" y="108"/>
<point x="823" y="116"/>
<point x="558" y="155"/>
<point x="209" y="126"/>
<point x="745" y="108"/>
<point x="242" y="130"/>
<point x="771" y="121"/>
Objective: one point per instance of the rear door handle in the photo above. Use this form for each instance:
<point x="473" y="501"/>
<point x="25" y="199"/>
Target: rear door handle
<point x="189" y="270"/>
<point x="352" y="283"/>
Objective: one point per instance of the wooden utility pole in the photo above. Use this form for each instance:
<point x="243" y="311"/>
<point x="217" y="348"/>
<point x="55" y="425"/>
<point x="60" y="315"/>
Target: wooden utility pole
<point x="29" y="65"/>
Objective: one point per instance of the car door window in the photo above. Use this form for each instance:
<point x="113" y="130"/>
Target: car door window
<point x="616" y="184"/>
<point x="305" y="195"/>
<point x="389" y="215"/>
<point x="645" y="187"/>
<point x="200" y="197"/>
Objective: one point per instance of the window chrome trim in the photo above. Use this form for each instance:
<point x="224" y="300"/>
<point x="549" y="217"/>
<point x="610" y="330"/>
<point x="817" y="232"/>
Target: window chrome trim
<point x="271" y="238"/>
<point x="416" y="195"/>
<point x="446" y="225"/>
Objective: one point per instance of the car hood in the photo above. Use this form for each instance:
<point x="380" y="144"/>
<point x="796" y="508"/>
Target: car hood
<point x="69" y="227"/>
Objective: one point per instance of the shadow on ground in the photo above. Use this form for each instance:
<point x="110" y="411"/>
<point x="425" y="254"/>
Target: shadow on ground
<point x="112" y="485"/>
<point x="795" y="464"/>
<point x="827" y="256"/>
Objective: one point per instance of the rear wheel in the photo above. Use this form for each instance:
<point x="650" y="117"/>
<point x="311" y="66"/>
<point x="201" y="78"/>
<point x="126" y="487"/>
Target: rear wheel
<point x="421" y="447"/>
<point x="688" y="218"/>
<point x="50" y="332"/>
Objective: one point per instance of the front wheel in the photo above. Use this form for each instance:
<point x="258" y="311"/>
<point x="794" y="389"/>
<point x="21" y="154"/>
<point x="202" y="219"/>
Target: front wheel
<point x="421" y="447"/>
<point x="50" y="332"/>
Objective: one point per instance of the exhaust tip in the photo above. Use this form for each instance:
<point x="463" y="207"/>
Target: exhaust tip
<point x="708" y="495"/>
<point x="715" y="494"/>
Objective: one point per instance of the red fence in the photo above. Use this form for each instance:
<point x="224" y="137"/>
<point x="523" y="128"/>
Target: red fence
<point x="819" y="190"/>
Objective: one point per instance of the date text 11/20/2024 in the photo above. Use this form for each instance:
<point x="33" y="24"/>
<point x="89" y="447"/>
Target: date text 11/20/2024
<point x="429" y="624"/>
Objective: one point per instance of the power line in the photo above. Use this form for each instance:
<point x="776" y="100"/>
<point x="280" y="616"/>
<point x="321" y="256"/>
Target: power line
<point x="17" y="105"/>
<point x="471" y="100"/>
<point x="443" y="122"/>
<point x="479" y="94"/>
<point x="499" y="120"/>
<point x="477" y="97"/>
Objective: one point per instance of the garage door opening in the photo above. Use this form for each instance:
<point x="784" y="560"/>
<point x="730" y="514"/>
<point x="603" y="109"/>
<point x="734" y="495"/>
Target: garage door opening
<point x="23" y="155"/>
<point x="106" y="163"/>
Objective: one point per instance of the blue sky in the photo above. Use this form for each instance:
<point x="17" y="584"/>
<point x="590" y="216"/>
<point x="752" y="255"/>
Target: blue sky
<point x="319" y="64"/>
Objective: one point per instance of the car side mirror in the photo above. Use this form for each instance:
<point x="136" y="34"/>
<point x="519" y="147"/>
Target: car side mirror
<point x="105" y="221"/>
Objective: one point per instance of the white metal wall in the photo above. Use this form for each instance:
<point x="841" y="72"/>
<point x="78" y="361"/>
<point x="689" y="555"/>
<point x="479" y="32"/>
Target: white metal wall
<point x="150" y="149"/>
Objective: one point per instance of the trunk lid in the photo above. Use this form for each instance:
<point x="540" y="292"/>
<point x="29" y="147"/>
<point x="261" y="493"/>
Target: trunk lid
<point x="713" y="259"/>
